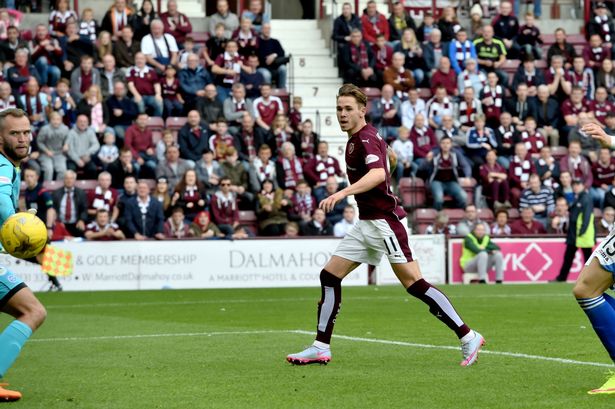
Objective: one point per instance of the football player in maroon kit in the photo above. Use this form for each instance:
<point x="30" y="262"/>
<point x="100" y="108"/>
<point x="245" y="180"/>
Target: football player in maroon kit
<point x="382" y="229"/>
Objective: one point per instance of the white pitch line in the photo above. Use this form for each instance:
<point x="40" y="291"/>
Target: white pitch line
<point x="483" y="351"/>
<point x="296" y="299"/>
<point x="344" y="337"/>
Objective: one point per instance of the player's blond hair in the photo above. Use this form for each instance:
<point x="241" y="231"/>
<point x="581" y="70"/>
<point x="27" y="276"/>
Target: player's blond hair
<point x="14" y="112"/>
<point x="351" y="90"/>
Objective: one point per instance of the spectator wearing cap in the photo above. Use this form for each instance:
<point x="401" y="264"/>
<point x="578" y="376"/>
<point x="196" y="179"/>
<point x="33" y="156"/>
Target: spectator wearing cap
<point x="144" y="85"/>
<point x="581" y="232"/>
<point x="175" y="23"/>
<point x="144" y="216"/>
<point x="601" y="24"/>
<point x="102" y="229"/>
<point x="224" y="16"/>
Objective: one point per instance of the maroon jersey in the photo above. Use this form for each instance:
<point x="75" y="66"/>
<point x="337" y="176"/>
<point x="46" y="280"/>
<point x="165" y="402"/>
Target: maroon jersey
<point x="143" y="80"/>
<point x="366" y="150"/>
<point x="568" y="108"/>
<point x="603" y="174"/>
<point x="267" y="110"/>
<point x="169" y="91"/>
<point x="601" y="109"/>
<point x="533" y="142"/>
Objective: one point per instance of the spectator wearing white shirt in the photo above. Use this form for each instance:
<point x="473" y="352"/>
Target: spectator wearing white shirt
<point x="160" y="48"/>
<point x="404" y="149"/>
<point x="347" y="223"/>
<point x="410" y="108"/>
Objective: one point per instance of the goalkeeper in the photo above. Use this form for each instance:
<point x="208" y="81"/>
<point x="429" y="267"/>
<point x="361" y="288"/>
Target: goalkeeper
<point x="16" y="298"/>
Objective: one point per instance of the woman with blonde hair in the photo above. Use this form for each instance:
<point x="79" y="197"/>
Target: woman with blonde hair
<point x="410" y="47"/>
<point x="92" y="106"/>
<point x="104" y="46"/>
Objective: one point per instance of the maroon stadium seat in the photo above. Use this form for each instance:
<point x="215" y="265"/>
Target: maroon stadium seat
<point x="155" y="123"/>
<point x="425" y="93"/>
<point x="513" y="214"/>
<point x="559" y="152"/>
<point x="485" y="214"/>
<point x="454" y="215"/>
<point x="597" y="213"/>
<point x="371" y="92"/>
<point x="53" y="184"/>
<point x="412" y="192"/>
<point x="175" y="123"/>
<point x="199" y="37"/>
<point x="468" y="185"/>
<point x="283" y="95"/>
<point x="87" y="184"/>
<point x="248" y="219"/>
<point x="425" y="216"/>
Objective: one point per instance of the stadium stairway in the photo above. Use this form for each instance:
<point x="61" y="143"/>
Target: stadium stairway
<point x="316" y="79"/>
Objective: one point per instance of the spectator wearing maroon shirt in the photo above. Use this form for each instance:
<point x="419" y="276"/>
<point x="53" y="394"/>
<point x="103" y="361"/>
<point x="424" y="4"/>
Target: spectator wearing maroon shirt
<point x="374" y="23"/>
<point x="224" y="207"/>
<point x="423" y="140"/>
<point x="144" y="85"/>
<point x="572" y="107"/>
<point x="577" y="165"/>
<point x="322" y="166"/>
<point x="526" y="225"/>
<point x="528" y="73"/>
<point x="357" y="61"/>
<point x="46" y="55"/>
<point x="582" y="76"/>
<point x="444" y="176"/>
<point x="603" y="171"/>
<point x="175" y="23"/>
<point x="102" y="229"/>
<point x="84" y="77"/>
<point x="172" y="100"/>
<point x="595" y="52"/>
<point x="533" y="139"/>
<point x="557" y="80"/>
<point x="19" y="74"/>
<point x="227" y="69"/>
<point x="519" y="171"/>
<point x="494" y="180"/>
<point x="175" y="227"/>
<point x="445" y="77"/>
<point x="383" y="53"/>
<point x="600" y="107"/>
<point x="221" y="141"/>
<point x="140" y="141"/>
<point x="266" y="107"/>
<point x="103" y="197"/>
<point x="190" y="194"/>
<point x="246" y="38"/>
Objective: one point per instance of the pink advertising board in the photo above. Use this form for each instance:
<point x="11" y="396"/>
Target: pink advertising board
<point x="526" y="260"/>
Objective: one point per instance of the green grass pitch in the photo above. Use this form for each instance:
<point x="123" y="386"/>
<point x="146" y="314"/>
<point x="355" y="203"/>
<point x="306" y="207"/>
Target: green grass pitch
<point x="226" y="349"/>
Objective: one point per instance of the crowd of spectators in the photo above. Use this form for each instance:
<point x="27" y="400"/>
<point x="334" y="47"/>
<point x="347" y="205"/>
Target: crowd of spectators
<point x="92" y="90"/>
<point x="489" y="102"/>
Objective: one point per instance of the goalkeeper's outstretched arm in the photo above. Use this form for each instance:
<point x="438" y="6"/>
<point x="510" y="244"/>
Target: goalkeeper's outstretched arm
<point x="597" y="132"/>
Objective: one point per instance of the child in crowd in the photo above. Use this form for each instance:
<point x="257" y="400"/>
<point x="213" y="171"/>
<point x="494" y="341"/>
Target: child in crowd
<point x="173" y="101"/>
<point x="166" y="141"/>
<point x="404" y="149"/>
<point x="88" y="26"/>
<point x="189" y="48"/>
<point x="63" y="103"/>
<point x="532" y="138"/>
<point x="528" y="41"/>
<point x="295" y="114"/>
<point x="108" y="152"/>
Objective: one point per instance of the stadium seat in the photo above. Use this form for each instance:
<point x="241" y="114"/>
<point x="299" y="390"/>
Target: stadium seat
<point x="426" y="216"/>
<point x="284" y="96"/>
<point x="175" y="123"/>
<point x="513" y="214"/>
<point x="597" y="213"/>
<point x="371" y="92"/>
<point x="53" y="184"/>
<point x="200" y="37"/>
<point x="412" y="192"/>
<point x="425" y="94"/>
<point x="248" y="218"/>
<point x="559" y="152"/>
<point x="454" y="215"/>
<point x="150" y="182"/>
<point x="468" y="185"/>
<point x="155" y="123"/>
<point x="485" y="214"/>
<point x="87" y="184"/>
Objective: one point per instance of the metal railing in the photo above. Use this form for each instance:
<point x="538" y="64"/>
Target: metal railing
<point x="317" y="120"/>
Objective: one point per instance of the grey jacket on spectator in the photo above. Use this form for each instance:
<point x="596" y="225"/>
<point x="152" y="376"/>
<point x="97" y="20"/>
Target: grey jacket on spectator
<point x="52" y="139"/>
<point x="231" y="115"/>
<point x="230" y="21"/>
<point x="172" y="173"/>
<point x="203" y="174"/>
<point x="81" y="143"/>
<point x="75" y="82"/>
<point x="106" y="86"/>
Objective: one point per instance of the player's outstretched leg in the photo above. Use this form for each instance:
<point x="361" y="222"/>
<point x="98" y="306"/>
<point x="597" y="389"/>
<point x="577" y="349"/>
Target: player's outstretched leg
<point x="20" y="302"/>
<point x="328" y="308"/>
<point x="600" y="309"/>
<point x="441" y="307"/>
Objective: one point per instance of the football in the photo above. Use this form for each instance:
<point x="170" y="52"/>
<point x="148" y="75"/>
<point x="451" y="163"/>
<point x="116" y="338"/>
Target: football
<point x="23" y="235"/>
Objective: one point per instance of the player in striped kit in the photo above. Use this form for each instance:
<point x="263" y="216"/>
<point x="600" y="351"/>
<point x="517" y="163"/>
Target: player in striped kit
<point x="381" y="230"/>
<point x="597" y="277"/>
